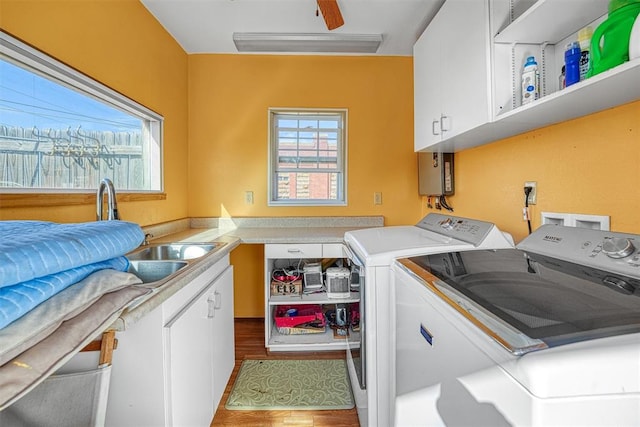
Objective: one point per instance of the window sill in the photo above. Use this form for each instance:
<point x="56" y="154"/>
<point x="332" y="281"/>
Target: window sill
<point x="33" y="200"/>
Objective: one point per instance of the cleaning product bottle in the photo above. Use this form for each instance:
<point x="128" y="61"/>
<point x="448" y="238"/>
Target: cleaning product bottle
<point x="530" y="81"/>
<point x="610" y="41"/>
<point x="584" y="38"/>
<point x="572" y="63"/>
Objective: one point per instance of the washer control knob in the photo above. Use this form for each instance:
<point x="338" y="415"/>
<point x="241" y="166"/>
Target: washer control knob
<point x="618" y="247"/>
<point x="447" y="224"/>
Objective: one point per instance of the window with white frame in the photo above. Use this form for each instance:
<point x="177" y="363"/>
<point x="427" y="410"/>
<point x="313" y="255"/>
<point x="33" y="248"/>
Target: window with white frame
<point x="61" y="131"/>
<point x="307" y="157"/>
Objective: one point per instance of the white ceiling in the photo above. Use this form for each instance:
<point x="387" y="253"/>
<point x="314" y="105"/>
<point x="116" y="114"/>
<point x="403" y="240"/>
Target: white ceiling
<point x="206" y="26"/>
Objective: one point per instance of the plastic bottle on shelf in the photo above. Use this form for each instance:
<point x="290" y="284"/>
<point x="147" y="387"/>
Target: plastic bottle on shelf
<point x="572" y="63"/>
<point x="610" y="41"/>
<point x="584" y="39"/>
<point x="634" y="40"/>
<point x="530" y="81"/>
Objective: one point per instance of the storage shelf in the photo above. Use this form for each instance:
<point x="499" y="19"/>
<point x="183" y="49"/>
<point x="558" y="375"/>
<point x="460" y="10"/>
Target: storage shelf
<point x="274" y="340"/>
<point x="609" y="89"/>
<point x="319" y="298"/>
<point x="307" y="342"/>
<point x="568" y="16"/>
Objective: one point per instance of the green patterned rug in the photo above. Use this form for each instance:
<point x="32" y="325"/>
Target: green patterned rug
<point x="291" y="384"/>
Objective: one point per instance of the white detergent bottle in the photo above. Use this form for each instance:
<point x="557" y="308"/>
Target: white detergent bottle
<point x="530" y="81"/>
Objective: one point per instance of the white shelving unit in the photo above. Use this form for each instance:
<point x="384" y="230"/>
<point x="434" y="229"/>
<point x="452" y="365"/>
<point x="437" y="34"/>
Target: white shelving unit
<point x="538" y="29"/>
<point x="549" y="21"/>
<point x="297" y="254"/>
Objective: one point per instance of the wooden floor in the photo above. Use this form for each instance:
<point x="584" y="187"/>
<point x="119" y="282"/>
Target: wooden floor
<point x="249" y="335"/>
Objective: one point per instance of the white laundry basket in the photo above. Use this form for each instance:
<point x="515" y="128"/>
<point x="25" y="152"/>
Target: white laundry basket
<point x="74" y="399"/>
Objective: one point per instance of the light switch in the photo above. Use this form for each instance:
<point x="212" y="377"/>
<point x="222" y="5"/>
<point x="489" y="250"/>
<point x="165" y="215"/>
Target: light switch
<point x="248" y="197"/>
<point x="377" y="198"/>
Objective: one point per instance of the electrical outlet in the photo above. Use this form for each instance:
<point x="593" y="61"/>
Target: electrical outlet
<point x="533" y="196"/>
<point x="248" y="197"/>
<point x="377" y="198"/>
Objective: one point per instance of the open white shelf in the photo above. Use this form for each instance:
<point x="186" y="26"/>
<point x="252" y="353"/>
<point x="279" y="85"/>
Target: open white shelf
<point x="308" y="342"/>
<point x="532" y="27"/>
<point x="319" y="298"/>
<point x="609" y="89"/>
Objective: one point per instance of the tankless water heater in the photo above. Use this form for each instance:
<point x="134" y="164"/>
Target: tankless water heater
<point x="435" y="174"/>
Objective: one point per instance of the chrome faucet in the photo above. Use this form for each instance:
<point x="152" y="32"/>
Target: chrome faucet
<point x="112" y="206"/>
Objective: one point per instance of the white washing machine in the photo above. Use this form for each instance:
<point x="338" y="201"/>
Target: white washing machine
<point x="371" y="251"/>
<point x="546" y="334"/>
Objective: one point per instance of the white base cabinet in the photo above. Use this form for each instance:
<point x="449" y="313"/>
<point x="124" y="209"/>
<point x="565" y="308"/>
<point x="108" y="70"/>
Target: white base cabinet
<point x="172" y="366"/>
<point x="292" y="256"/>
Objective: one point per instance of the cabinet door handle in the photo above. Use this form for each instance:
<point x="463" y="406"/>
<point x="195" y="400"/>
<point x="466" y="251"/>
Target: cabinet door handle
<point x="433" y="127"/>
<point x="218" y="300"/>
<point x="211" y="305"/>
<point x="294" y="251"/>
<point x="445" y="123"/>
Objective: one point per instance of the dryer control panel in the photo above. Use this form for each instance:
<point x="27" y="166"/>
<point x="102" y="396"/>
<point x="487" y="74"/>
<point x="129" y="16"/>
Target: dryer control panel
<point x="468" y="230"/>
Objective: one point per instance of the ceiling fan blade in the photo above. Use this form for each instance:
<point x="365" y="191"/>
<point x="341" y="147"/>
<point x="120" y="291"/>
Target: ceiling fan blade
<point x="331" y="13"/>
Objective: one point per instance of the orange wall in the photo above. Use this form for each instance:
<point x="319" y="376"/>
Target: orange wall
<point x="120" y="44"/>
<point x="248" y="280"/>
<point x="228" y="130"/>
<point x="229" y="96"/>
<point x="216" y="129"/>
<point x="590" y="165"/>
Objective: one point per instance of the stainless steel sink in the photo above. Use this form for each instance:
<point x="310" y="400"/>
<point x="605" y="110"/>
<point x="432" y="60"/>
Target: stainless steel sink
<point x="153" y="271"/>
<point x="173" y="251"/>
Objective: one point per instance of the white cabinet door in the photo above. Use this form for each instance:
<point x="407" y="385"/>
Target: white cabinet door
<point x="189" y="339"/>
<point x="137" y="396"/>
<point x="465" y="40"/>
<point x="224" y="357"/>
<point x="451" y="73"/>
<point x="201" y="353"/>
<point x="427" y="87"/>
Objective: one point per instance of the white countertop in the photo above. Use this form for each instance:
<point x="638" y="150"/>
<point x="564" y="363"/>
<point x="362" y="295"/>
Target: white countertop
<point x="250" y="231"/>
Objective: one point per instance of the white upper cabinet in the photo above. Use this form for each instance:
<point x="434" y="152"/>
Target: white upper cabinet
<point x="517" y="29"/>
<point x="451" y="73"/>
<point x="427" y="96"/>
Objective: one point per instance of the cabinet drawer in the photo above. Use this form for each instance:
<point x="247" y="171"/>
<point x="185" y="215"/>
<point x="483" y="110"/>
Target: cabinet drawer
<point x="304" y="250"/>
<point x="333" y="250"/>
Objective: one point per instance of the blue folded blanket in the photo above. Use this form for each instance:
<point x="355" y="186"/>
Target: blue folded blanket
<point x="19" y="299"/>
<point x="32" y="249"/>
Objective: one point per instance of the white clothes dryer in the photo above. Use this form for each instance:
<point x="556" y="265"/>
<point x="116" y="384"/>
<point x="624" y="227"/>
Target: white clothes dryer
<point x="371" y="253"/>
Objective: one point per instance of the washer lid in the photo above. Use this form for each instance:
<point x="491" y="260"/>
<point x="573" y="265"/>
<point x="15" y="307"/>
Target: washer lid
<point x="527" y="301"/>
